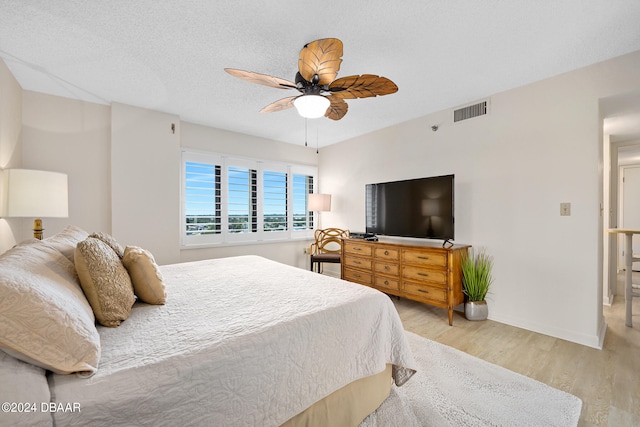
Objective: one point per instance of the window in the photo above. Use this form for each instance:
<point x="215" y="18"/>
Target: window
<point x="274" y="186"/>
<point x="302" y="187"/>
<point x="242" y="200"/>
<point x="202" y="190"/>
<point x="228" y="199"/>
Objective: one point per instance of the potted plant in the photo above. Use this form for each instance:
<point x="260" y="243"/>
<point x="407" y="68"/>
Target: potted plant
<point x="476" y="279"/>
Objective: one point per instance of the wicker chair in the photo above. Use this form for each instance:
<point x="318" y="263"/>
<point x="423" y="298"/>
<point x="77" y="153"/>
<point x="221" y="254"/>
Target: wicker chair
<point x="327" y="247"/>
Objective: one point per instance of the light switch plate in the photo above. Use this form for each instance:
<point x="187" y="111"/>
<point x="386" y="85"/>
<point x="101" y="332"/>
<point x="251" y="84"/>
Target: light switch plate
<point x="565" y="209"/>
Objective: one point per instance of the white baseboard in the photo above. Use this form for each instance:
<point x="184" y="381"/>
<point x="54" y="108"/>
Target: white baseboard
<point x="594" y="341"/>
<point x="608" y="300"/>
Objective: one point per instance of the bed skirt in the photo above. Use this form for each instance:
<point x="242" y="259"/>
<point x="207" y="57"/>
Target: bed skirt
<point x="347" y="406"/>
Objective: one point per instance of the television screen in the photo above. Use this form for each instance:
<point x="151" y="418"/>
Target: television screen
<point x="420" y="207"/>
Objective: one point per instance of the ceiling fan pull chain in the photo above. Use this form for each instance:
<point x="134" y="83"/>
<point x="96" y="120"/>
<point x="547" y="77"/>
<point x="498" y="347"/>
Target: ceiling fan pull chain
<point x="305" y="131"/>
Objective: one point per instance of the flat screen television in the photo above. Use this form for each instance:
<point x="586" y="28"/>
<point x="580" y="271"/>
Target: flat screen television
<point x="420" y="207"/>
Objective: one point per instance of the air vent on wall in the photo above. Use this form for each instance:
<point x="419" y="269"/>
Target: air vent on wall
<point x="470" y="111"/>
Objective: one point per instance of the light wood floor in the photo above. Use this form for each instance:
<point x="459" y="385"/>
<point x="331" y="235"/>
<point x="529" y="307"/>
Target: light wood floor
<point x="607" y="381"/>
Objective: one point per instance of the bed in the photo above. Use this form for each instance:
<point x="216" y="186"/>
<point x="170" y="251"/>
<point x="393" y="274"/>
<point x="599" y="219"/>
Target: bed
<point x="239" y="341"/>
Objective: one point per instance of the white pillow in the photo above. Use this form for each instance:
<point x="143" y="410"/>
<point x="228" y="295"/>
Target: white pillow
<point x="66" y="240"/>
<point x="45" y="318"/>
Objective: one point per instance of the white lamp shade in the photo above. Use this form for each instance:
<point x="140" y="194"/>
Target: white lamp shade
<point x="33" y="193"/>
<point x="311" y="106"/>
<point x="320" y="202"/>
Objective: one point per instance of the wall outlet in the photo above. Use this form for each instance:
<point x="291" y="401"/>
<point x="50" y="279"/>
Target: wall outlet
<point x="565" y="209"/>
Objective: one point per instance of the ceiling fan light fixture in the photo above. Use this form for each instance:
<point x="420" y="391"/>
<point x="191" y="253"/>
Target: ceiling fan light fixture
<point x="318" y="66"/>
<point x="312" y="106"/>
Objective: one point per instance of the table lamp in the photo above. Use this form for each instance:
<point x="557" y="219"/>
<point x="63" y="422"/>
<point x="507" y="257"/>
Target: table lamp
<point x="319" y="202"/>
<point x="28" y="193"/>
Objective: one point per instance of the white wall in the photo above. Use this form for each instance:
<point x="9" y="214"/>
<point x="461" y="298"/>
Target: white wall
<point x="145" y="180"/>
<point x="72" y="137"/>
<point x="539" y="146"/>
<point x="61" y="135"/>
<point x="10" y="144"/>
<point x="217" y="140"/>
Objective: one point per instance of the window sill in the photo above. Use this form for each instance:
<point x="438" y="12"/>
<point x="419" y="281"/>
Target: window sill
<point x="246" y="243"/>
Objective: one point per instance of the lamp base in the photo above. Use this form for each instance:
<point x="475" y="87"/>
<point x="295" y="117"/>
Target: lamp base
<point x="37" y="228"/>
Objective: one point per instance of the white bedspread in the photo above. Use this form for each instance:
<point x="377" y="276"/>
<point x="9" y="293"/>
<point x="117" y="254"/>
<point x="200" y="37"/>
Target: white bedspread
<point x="242" y="341"/>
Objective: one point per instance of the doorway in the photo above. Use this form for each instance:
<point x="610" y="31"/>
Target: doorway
<point x="630" y="207"/>
<point x="620" y="117"/>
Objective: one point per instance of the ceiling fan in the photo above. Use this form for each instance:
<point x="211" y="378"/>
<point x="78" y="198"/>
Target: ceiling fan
<point x="321" y="93"/>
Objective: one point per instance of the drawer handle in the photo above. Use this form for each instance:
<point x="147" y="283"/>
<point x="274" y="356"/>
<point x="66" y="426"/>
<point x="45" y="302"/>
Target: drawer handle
<point x="357" y="249"/>
<point x="424" y="291"/>
<point x="386" y="252"/>
<point x="356" y="275"/>
<point x="356" y="262"/>
<point x="423" y="274"/>
<point x="386" y="267"/>
<point x="423" y="257"/>
<point x="386" y="282"/>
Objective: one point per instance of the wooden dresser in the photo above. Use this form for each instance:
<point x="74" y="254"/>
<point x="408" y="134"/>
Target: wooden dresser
<point x="424" y="272"/>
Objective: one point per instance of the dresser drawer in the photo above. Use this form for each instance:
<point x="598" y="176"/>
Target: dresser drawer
<point x="422" y="274"/>
<point x="387" y="268"/>
<point x="356" y="262"/>
<point x="429" y="292"/>
<point x="387" y="283"/>
<point x="357" y="276"/>
<point x="387" y="254"/>
<point x="432" y="259"/>
<point x="357" y="248"/>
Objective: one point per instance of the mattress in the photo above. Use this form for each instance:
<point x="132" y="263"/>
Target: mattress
<point x="23" y="390"/>
<point x="241" y="341"/>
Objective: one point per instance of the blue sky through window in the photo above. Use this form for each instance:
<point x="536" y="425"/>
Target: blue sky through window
<point x="204" y="203"/>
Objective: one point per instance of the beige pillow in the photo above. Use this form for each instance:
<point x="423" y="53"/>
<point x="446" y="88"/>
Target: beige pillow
<point x="109" y="240"/>
<point x="104" y="281"/>
<point x="145" y="275"/>
<point x="45" y="318"/>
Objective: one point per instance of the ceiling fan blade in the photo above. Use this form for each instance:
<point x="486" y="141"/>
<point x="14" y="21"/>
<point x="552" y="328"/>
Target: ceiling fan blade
<point x="322" y="57"/>
<point x="279" y="105"/>
<point x="364" y="86"/>
<point x="262" y="79"/>
<point x="337" y="109"/>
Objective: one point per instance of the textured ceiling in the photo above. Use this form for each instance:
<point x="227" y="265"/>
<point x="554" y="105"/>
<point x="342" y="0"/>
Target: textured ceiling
<point x="169" y="55"/>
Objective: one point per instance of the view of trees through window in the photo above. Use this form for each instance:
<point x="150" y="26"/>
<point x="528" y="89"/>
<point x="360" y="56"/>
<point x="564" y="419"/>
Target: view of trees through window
<point x="242" y="201"/>
<point x="302" y="187"/>
<point x="206" y="200"/>
<point x="202" y="194"/>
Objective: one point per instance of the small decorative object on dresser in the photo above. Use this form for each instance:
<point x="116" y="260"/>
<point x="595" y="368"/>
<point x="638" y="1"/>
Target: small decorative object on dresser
<point x="420" y="271"/>
<point x="477" y="279"/>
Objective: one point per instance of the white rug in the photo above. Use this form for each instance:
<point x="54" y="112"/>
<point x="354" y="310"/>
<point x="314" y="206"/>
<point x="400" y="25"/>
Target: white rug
<point x="452" y="388"/>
